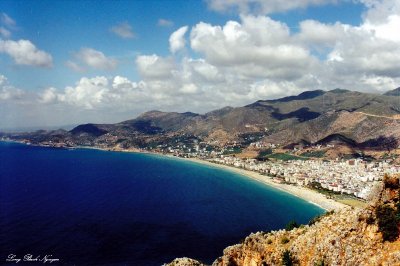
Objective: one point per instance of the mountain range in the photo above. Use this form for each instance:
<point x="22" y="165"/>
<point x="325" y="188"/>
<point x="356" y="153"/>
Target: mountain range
<point x="313" y="117"/>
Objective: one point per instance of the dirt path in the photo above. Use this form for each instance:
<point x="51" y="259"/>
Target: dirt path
<point x="395" y="117"/>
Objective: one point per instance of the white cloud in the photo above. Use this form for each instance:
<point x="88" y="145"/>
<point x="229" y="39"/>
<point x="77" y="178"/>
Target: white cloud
<point x="90" y="57"/>
<point x="48" y="96"/>
<point x="7" y="20"/>
<point x="165" y="22"/>
<point x="177" y="39"/>
<point x="315" y="33"/>
<point x="262" y="6"/>
<point x="155" y="67"/>
<point x="25" y="53"/>
<point x="5" y="33"/>
<point x="74" y="66"/>
<point x="8" y="92"/>
<point x="257" y="47"/>
<point x="123" y="30"/>
<point x="235" y="63"/>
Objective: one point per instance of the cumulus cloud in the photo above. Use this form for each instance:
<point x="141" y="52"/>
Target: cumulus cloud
<point x="257" y="47"/>
<point x="165" y="22"/>
<point x="177" y="39"/>
<point x="123" y="30"/>
<point x="7" y="91"/>
<point x="155" y="67"/>
<point x="24" y="52"/>
<point x="236" y="63"/>
<point x="262" y="6"/>
<point x="89" y="57"/>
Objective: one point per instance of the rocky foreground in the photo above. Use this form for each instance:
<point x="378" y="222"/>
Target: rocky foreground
<point x="350" y="236"/>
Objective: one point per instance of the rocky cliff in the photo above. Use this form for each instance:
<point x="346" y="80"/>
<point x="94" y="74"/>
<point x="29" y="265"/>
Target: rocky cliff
<point x="351" y="236"/>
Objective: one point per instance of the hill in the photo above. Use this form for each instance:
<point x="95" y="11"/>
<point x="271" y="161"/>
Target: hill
<point x="395" y="92"/>
<point x="310" y="117"/>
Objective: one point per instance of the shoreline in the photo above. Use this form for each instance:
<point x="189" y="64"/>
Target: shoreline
<point x="303" y="193"/>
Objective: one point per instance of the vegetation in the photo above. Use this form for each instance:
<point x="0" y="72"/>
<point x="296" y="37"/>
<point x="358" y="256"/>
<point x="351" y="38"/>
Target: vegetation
<point x="264" y="153"/>
<point x="285" y="240"/>
<point x="321" y="263"/>
<point x="391" y="182"/>
<point x="284" y="157"/>
<point x="319" y="217"/>
<point x="316" y="154"/>
<point x="269" y="241"/>
<point x="291" y="225"/>
<point x="232" y="150"/>
<point x="387" y="222"/>
<point x="287" y="258"/>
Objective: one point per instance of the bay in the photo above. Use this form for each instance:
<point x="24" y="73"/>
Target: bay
<point x="92" y="207"/>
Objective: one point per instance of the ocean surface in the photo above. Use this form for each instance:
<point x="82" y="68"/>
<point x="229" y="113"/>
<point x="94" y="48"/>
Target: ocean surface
<point x="91" y="207"/>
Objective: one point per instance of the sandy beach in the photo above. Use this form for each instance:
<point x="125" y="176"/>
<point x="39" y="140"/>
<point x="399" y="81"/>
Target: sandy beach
<point x="304" y="193"/>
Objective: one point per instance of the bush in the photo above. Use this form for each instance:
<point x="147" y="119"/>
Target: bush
<point x="285" y="240"/>
<point x="269" y="241"/>
<point x="321" y="263"/>
<point x="265" y="152"/>
<point x="287" y="258"/>
<point x="391" y="182"/>
<point x="370" y="220"/>
<point x="291" y="225"/>
<point x="386" y="217"/>
<point x="317" y="154"/>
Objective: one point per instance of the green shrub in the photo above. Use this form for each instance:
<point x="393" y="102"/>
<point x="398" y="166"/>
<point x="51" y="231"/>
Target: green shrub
<point x="285" y="240"/>
<point x="291" y="225"/>
<point x="370" y="220"/>
<point x="386" y="217"/>
<point x="287" y="258"/>
<point x="317" y="154"/>
<point x="265" y="152"/>
<point x="321" y="263"/>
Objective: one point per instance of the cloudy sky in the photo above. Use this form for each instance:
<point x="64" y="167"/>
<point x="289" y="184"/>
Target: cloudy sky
<point x="69" y="62"/>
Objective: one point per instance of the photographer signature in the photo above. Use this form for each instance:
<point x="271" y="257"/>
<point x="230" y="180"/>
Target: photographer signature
<point x="31" y="258"/>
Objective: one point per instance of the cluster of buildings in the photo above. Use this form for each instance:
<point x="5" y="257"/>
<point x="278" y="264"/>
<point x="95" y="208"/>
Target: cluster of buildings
<point x="354" y="177"/>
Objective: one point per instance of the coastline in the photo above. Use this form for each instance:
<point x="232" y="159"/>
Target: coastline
<point x="304" y="193"/>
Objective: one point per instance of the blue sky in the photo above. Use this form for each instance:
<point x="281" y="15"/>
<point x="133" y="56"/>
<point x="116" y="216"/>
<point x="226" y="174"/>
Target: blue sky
<point x="111" y="60"/>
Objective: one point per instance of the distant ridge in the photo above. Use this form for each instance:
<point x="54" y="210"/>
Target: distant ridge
<point x="302" y="96"/>
<point x="352" y="118"/>
<point x="395" y="92"/>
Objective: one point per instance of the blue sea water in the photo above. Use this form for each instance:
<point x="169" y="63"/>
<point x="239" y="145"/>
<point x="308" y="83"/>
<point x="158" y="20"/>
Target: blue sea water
<point x="91" y="207"/>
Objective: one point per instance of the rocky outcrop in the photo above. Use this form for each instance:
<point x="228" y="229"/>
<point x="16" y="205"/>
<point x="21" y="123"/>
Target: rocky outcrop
<point x="185" y="262"/>
<point x="348" y="237"/>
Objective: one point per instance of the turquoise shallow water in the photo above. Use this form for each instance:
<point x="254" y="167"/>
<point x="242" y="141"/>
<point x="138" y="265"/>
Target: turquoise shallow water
<point x="94" y="207"/>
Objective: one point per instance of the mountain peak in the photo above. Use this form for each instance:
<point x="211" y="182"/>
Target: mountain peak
<point x="339" y="90"/>
<point x="395" y="92"/>
<point x="302" y="96"/>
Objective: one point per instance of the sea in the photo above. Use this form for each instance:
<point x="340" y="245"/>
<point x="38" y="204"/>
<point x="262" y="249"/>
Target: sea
<point x="93" y="207"/>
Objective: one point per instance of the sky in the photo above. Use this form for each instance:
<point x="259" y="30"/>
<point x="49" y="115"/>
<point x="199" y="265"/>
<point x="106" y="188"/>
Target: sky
<point x="71" y="62"/>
